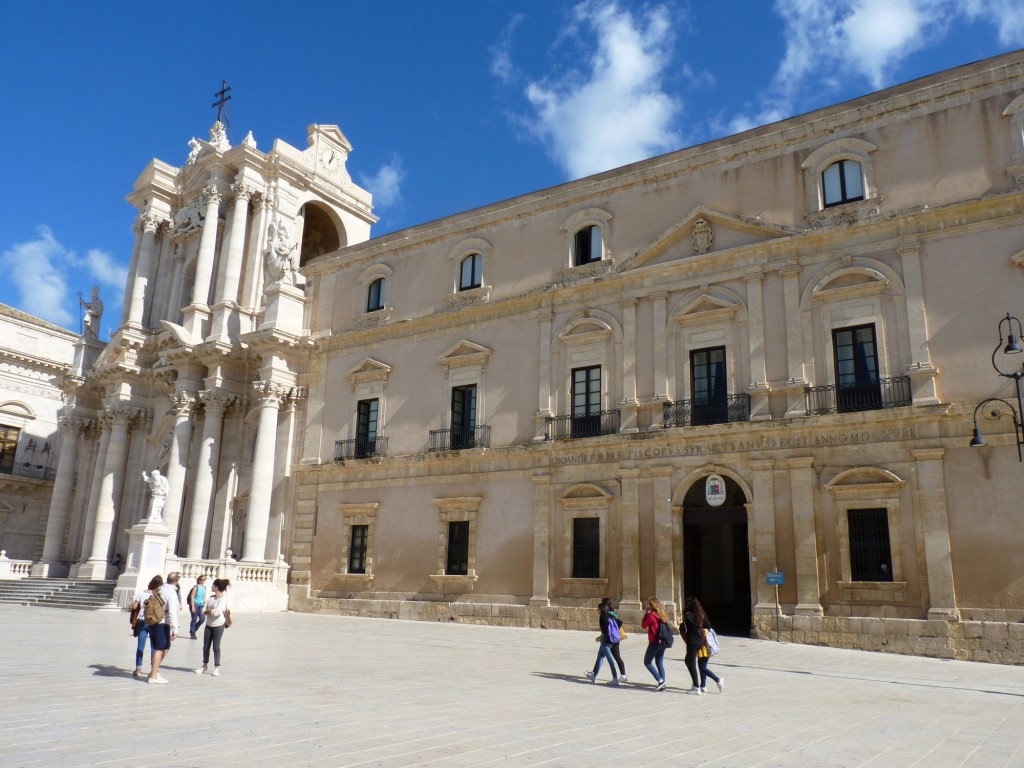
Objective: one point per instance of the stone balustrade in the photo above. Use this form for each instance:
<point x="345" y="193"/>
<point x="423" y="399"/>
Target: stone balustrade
<point x="13" y="569"/>
<point x="255" y="587"/>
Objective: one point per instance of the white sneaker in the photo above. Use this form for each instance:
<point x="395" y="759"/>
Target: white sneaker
<point x="721" y="685"/>
<point x="623" y="679"/>
<point x="591" y="676"/>
<point x="157" y="681"/>
<point x="614" y="681"/>
<point x="216" y="671"/>
<point x="200" y="670"/>
<point x="695" y="691"/>
<point x="661" y="686"/>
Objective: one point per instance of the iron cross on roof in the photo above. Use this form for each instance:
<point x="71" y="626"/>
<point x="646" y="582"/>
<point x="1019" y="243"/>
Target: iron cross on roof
<point x="222" y="98"/>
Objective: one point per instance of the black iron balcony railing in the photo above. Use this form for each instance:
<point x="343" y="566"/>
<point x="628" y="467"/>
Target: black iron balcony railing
<point x="572" y="427"/>
<point x="693" y="413"/>
<point x="360" y="448"/>
<point x="27" y="469"/>
<point x="460" y="439"/>
<point x="848" y="398"/>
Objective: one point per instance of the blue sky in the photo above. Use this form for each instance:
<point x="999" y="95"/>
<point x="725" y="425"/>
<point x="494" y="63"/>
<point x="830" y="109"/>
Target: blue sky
<point x="449" y="105"/>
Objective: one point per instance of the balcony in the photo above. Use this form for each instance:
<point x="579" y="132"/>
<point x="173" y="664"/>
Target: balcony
<point x="360" y="448"/>
<point x="28" y="469"/>
<point x="893" y="392"/>
<point x="694" y="413"/>
<point x="459" y="439"/>
<point x="573" y="427"/>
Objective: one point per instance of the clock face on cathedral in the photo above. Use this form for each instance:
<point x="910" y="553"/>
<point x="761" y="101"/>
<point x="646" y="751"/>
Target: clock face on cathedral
<point x="330" y="161"/>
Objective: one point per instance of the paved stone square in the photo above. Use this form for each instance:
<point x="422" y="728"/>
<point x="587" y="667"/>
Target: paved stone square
<point x="317" y="690"/>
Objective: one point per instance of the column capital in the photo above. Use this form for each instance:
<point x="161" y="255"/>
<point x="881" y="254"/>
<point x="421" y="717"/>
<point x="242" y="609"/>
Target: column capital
<point x="800" y="462"/>
<point x="928" y="454"/>
<point x="215" y="400"/>
<point x="791" y="271"/>
<point x="148" y="221"/>
<point x="270" y="393"/>
<point x="753" y="277"/>
<point x="120" y="415"/>
<point x="182" y="403"/>
<point x="212" y="194"/>
<point x="73" y="425"/>
<point x="762" y="465"/>
<point x="631" y="301"/>
<point x="242" y="191"/>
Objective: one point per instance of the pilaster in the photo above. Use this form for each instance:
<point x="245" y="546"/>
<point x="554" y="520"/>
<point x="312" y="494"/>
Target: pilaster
<point x="629" y="518"/>
<point x="542" y="508"/>
<point x="808" y="589"/>
<point x="933" y="523"/>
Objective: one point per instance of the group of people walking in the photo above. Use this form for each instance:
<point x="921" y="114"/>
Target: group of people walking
<point x="694" y="631"/>
<point x="154" y="619"/>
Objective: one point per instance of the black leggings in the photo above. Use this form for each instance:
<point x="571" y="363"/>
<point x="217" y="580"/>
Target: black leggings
<point x="691" y="664"/>
<point x="618" y="658"/>
<point x="212" y="636"/>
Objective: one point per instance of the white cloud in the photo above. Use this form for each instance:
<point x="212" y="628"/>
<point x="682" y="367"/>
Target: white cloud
<point x="386" y="184"/>
<point x="615" y="111"/>
<point x="35" y="268"/>
<point x="1006" y="15"/>
<point x="501" y="52"/>
<point x="101" y="267"/>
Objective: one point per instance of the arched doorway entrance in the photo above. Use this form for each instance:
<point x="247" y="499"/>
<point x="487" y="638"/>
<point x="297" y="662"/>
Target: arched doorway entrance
<point x="716" y="559"/>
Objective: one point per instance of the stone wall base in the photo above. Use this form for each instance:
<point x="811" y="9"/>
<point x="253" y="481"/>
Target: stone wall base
<point x="990" y="641"/>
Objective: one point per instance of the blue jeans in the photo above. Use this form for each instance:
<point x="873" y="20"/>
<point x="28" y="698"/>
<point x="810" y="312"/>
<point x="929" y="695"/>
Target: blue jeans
<point x="655" y="655"/>
<point x="705" y="673"/>
<point x="140" y="651"/>
<point x="605" y="652"/>
<point x="197" y="620"/>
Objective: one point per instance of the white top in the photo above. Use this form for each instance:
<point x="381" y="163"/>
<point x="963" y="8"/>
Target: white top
<point x="171" y="607"/>
<point x="214" y="610"/>
<point x="141" y="599"/>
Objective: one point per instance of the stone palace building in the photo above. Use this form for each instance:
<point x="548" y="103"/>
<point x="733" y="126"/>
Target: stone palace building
<point x="747" y="370"/>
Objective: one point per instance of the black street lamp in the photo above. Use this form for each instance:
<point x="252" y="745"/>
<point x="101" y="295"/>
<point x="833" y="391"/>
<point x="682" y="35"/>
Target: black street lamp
<point x="1012" y="347"/>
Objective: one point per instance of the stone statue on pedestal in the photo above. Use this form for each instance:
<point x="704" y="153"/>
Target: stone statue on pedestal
<point x="158" y="488"/>
<point x="278" y="254"/>
<point x="93" y="313"/>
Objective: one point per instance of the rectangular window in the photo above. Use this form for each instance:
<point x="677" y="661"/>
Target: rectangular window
<point x="357" y="549"/>
<point x="366" y="428"/>
<point x="707" y="386"/>
<point x="8" y="447"/>
<point x="870" y="552"/>
<point x="457" y="561"/>
<point x="586" y="401"/>
<point x="463" y="416"/>
<point x="586" y="548"/>
<point x="587" y="246"/>
<point x="471" y="272"/>
<point x="375" y="295"/>
<point x="856" y="358"/>
<point x="842" y="183"/>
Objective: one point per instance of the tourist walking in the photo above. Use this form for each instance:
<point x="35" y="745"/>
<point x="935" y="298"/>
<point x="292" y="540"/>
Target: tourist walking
<point x="218" y="618"/>
<point x="196" y="601"/>
<point x="164" y="632"/>
<point x="615" y="646"/>
<point x="654" y="657"/>
<point x="700" y="618"/>
<point x="609" y="637"/>
<point x="140" y="629"/>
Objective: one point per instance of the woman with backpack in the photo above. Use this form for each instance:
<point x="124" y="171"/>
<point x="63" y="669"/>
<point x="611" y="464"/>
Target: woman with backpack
<point x="615" y="646"/>
<point x="654" y="658"/>
<point x="196" y="601"/>
<point x="610" y="636"/>
<point x="139" y="626"/>
<point x="695" y="624"/>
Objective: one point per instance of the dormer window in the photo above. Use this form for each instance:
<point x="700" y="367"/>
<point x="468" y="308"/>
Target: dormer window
<point x="471" y="272"/>
<point x="587" y="246"/>
<point x="375" y="295"/>
<point x="842" y="182"/>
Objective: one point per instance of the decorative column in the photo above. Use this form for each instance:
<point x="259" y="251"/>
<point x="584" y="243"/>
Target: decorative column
<point x="629" y="365"/>
<point x="808" y="590"/>
<point x="629" y="509"/>
<point x="227" y="291"/>
<point x="661" y="390"/>
<point x="758" y="389"/>
<point x="541" y="540"/>
<point x="933" y="524"/>
<point x="544" y="376"/>
<point x="795" y="399"/>
<point x="262" y="486"/>
<point x="664" y="573"/>
<point x="282" y="461"/>
<point x="763" y="534"/>
<point x="206" y="472"/>
<point x="149" y="222"/>
<point x="182" y="406"/>
<point x="98" y="461"/>
<point x="921" y="371"/>
<point x="120" y="417"/>
<point x="198" y="311"/>
<point x="163" y="281"/>
<point x="129" y="288"/>
<point x="63" y="493"/>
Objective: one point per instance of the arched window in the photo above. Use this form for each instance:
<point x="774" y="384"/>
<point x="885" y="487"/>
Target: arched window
<point x="471" y="272"/>
<point x="842" y="182"/>
<point x="375" y="295"/>
<point x="587" y="246"/>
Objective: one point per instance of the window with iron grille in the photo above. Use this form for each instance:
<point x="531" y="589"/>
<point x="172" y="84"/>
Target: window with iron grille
<point x="357" y="549"/>
<point x="8" y="447"/>
<point x="587" y="246"/>
<point x="856" y="359"/>
<point x="463" y="416"/>
<point x="366" y="428"/>
<point x="586" y="548"/>
<point x="870" y="552"/>
<point x="457" y="561"/>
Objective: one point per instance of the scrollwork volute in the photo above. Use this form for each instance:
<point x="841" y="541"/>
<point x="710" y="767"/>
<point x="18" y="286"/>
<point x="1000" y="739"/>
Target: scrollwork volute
<point x="212" y="194"/>
<point x="149" y="221"/>
<point x="242" y="191"/>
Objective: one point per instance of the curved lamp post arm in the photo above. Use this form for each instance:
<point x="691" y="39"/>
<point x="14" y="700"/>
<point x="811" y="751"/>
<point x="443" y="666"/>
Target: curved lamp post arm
<point x="1018" y="429"/>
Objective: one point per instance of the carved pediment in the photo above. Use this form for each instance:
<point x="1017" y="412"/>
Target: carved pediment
<point x="705" y="230"/>
<point x="464" y="353"/>
<point x="367" y="371"/>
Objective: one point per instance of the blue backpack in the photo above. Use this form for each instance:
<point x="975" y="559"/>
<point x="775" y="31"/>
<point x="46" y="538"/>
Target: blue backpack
<point x="614" y="636"/>
<point x="665" y="634"/>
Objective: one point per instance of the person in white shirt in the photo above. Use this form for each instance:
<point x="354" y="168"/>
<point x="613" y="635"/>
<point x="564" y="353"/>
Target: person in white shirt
<point x="218" y="618"/>
<point x="163" y="634"/>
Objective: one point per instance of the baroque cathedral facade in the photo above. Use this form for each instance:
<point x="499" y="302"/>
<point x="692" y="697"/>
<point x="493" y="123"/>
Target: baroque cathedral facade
<point x="747" y="370"/>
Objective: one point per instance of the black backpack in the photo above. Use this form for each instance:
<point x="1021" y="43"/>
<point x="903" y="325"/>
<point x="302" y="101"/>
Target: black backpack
<point x="665" y="637"/>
